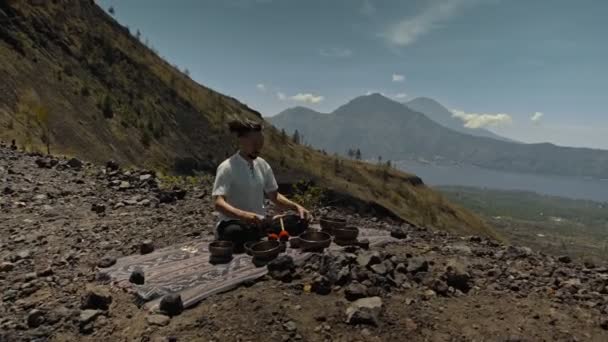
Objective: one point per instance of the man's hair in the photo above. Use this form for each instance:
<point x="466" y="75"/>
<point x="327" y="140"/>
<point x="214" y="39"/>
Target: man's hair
<point x="242" y="127"/>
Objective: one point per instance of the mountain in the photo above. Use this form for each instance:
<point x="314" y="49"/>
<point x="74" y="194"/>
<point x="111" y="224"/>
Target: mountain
<point x="74" y="77"/>
<point x="441" y="115"/>
<point x="379" y="126"/>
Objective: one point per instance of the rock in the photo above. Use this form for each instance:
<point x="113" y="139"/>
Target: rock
<point x="35" y="318"/>
<point x="604" y="323"/>
<point x="355" y="291"/>
<point x="124" y="185"/>
<point x="172" y="305"/>
<point x="112" y="165"/>
<point x="429" y="294"/>
<point x="399" y="233"/>
<point x="160" y="320"/>
<point x="321" y="285"/>
<point x="45" y="272"/>
<point x="6" y="266"/>
<point x="74" y="163"/>
<point x="290" y="326"/>
<point x="364" y="311"/>
<point x="24" y="254"/>
<point x="459" y="249"/>
<point x="146" y="247"/>
<point x="564" y="259"/>
<point x="458" y="278"/>
<point x="440" y="287"/>
<point x="8" y="191"/>
<point x="366" y="259"/>
<point x="343" y="276"/>
<point x="43" y="163"/>
<point x="97" y="298"/>
<point x="417" y="264"/>
<point x="166" y="197"/>
<point x="106" y="262"/>
<point x="98" y="208"/>
<point x="137" y="277"/>
<point x="145" y="178"/>
<point x="281" y="268"/>
<point x="87" y="316"/>
<point x="179" y="194"/>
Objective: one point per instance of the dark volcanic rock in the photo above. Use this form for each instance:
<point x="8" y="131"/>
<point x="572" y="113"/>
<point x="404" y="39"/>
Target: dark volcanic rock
<point x="398" y="233"/>
<point x="112" y="165"/>
<point x="417" y="264"/>
<point x="98" y="208"/>
<point x="171" y="305"/>
<point x="74" y="163"/>
<point x="97" y="298"/>
<point x="137" y="277"/>
<point x="355" y="291"/>
<point x="35" y="318"/>
<point x="106" y="261"/>
<point x="458" y="278"/>
<point x="565" y="259"/>
<point x="321" y="286"/>
<point x="146" y="247"/>
<point x="281" y="268"/>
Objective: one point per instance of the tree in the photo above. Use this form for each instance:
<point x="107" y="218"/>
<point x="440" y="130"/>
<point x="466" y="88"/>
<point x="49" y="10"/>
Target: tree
<point x="111" y="10"/>
<point x="296" y="137"/>
<point x="138" y="34"/>
<point x="283" y="135"/>
<point x="336" y="164"/>
<point x="351" y="153"/>
<point x="388" y="164"/>
<point x="187" y="72"/>
<point x="358" y="154"/>
<point x="379" y="160"/>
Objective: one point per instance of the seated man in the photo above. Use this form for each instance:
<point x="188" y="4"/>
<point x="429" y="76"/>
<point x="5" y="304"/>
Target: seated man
<point x="240" y="184"/>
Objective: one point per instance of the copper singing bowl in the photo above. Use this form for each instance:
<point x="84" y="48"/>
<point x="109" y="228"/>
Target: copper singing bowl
<point x="266" y="249"/>
<point x="313" y="240"/>
<point x="329" y="223"/>
<point x="348" y="233"/>
<point x="222" y="249"/>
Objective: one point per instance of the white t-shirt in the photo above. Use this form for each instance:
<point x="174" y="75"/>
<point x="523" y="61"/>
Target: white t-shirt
<point x="244" y="186"/>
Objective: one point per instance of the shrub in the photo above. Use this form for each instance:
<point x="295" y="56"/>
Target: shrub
<point x="106" y="107"/>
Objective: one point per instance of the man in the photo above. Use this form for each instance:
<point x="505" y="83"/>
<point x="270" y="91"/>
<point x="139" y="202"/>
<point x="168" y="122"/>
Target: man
<point x="241" y="182"/>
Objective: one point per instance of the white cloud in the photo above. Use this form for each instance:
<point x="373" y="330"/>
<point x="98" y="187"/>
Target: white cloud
<point x="475" y="120"/>
<point x="408" y="30"/>
<point x="336" y="52"/>
<point x="398" y="78"/>
<point x="261" y="87"/>
<point x="400" y="95"/>
<point x="367" y="8"/>
<point x="536" y="117"/>
<point x="281" y="96"/>
<point x="307" y="98"/>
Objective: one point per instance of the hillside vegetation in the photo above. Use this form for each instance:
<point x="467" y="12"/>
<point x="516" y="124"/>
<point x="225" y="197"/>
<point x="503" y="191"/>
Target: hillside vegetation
<point x="77" y="82"/>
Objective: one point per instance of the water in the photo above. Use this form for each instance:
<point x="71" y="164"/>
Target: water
<point x="467" y="175"/>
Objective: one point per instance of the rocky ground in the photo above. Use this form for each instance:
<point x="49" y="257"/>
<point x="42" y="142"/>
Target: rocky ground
<point x="62" y="218"/>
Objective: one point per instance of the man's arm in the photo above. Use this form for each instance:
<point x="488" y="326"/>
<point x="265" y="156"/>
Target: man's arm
<point x="225" y="208"/>
<point x="285" y="203"/>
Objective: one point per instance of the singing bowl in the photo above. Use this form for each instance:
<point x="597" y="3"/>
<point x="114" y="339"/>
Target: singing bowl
<point x="314" y="240"/>
<point x="266" y="249"/>
<point x="221" y="249"/>
<point x="348" y="233"/>
<point x="329" y="223"/>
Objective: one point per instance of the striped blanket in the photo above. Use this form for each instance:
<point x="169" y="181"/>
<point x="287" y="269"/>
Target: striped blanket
<point x="185" y="269"/>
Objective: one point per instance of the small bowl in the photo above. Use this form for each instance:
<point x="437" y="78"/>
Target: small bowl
<point x="314" y="240"/>
<point x="348" y="233"/>
<point x="266" y="249"/>
<point x="329" y="223"/>
<point x="221" y="249"/>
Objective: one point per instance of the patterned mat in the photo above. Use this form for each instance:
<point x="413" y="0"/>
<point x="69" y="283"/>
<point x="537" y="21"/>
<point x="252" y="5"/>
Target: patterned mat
<point x="185" y="269"/>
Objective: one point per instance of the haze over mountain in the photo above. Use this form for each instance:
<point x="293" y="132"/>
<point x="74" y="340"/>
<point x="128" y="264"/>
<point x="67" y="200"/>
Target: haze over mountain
<point x="379" y="126"/>
<point x="441" y="115"/>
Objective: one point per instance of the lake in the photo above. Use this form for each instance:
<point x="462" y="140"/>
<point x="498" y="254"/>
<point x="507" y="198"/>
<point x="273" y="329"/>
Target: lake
<point x="434" y="174"/>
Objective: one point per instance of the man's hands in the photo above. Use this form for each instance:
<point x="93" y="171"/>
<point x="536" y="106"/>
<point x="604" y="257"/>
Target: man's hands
<point x="304" y="214"/>
<point x="252" y="219"/>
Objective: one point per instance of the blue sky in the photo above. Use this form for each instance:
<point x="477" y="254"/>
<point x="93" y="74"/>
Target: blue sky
<point x="484" y="58"/>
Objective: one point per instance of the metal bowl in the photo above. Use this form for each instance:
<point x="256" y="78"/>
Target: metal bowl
<point x="329" y="223"/>
<point x="266" y="249"/>
<point x="247" y="245"/>
<point x="348" y="233"/>
<point x="314" y="240"/>
<point x="221" y="249"/>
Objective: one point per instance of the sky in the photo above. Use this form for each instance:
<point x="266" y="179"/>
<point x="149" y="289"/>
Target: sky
<point x="531" y="70"/>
